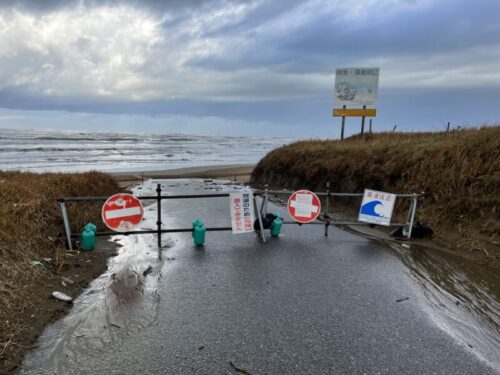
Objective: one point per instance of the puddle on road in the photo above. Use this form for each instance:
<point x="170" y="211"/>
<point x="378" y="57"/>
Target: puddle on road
<point x="461" y="296"/>
<point x="110" y="312"/>
<point x="107" y="314"/>
<point x="464" y="298"/>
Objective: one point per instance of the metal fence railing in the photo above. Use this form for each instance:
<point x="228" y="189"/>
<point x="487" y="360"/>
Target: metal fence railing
<point x="325" y="218"/>
<point x="159" y="229"/>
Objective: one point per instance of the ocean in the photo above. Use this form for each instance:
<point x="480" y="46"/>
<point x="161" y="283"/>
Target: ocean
<point x="75" y="151"/>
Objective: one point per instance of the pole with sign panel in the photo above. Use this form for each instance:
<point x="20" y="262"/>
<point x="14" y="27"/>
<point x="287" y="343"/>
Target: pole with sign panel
<point x="376" y="207"/>
<point x="355" y="88"/>
<point x="122" y="212"/>
<point x="304" y="206"/>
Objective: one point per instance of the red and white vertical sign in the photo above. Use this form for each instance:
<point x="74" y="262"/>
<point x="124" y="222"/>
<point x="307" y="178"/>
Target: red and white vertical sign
<point x="242" y="212"/>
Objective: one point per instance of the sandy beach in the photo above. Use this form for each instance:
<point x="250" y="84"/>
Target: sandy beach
<point x="235" y="172"/>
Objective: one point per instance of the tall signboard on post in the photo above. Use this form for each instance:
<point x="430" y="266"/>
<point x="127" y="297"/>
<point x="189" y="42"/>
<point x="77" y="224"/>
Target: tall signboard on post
<point x="355" y="90"/>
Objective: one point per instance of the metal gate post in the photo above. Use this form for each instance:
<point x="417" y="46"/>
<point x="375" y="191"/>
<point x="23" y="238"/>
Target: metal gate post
<point x="266" y="199"/>
<point x="412" y="217"/>
<point x="408" y="214"/>
<point x="158" y="219"/>
<point x="326" y="216"/>
<point x="263" y="205"/>
<point x="259" y="218"/>
<point x="67" y="229"/>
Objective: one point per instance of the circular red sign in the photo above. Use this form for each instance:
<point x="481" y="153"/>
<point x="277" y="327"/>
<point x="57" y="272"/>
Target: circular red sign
<point x="122" y="212"/>
<point x="304" y="206"/>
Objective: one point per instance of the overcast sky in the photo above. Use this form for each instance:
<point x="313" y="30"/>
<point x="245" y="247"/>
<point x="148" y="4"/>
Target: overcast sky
<point x="252" y="67"/>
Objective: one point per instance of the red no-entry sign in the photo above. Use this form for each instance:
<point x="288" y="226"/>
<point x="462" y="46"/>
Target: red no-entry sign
<point x="122" y="212"/>
<point x="304" y="206"/>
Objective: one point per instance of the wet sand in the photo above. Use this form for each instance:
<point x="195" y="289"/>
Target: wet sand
<point x="235" y="172"/>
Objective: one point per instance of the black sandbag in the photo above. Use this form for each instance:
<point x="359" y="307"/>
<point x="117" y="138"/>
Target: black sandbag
<point x="397" y="233"/>
<point x="267" y="222"/>
<point x="419" y="230"/>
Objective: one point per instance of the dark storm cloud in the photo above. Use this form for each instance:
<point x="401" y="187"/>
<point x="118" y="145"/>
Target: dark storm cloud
<point x="37" y="5"/>
<point x="252" y="60"/>
<point x="443" y="27"/>
<point x="156" y="5"/>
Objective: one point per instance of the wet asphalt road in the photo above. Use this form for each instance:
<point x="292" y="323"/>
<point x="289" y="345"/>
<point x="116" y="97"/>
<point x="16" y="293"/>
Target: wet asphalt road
<point x="300" y="304"/>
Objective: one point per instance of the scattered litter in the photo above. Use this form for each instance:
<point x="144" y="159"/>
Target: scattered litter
<point x="62" y="297"/>
<point x="67" y="280"/>
<point x="45" y="263"/>
<point x="201" y="347"/>
<point x="147" y="271"/>
<point x="48" y="263"/>
<point x="403" y="299"/>
<point x="406" y="246"/>
<point x="240" y="370"/>
<point x="115" y="325"/>
<point x="170" y="258"/>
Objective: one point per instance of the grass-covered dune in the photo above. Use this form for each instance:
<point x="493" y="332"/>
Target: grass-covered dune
<point x="459" y="173"/>
<point x="31" y="229"/>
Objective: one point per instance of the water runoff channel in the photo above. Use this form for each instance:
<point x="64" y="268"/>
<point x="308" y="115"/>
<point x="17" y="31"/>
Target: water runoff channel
<point x="461" y="298"/>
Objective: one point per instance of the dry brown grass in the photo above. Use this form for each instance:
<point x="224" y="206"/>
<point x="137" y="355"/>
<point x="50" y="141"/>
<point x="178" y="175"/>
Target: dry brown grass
<point x="31" y="221"/>
<point x="31" y="229"/>
<point x="459" y="172"/>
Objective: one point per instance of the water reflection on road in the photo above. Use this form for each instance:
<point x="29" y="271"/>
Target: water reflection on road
<point x="462" y="297"/>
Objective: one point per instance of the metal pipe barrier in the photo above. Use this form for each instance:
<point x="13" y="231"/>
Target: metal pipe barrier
<point x="326" y="220"/>
<point x="159" y="230"/>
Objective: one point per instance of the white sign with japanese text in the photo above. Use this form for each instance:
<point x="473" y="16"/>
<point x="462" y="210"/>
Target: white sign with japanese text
<point x="242" y="212"/>
<point x="376" y="207"/>
<point x="356" y="87"/>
